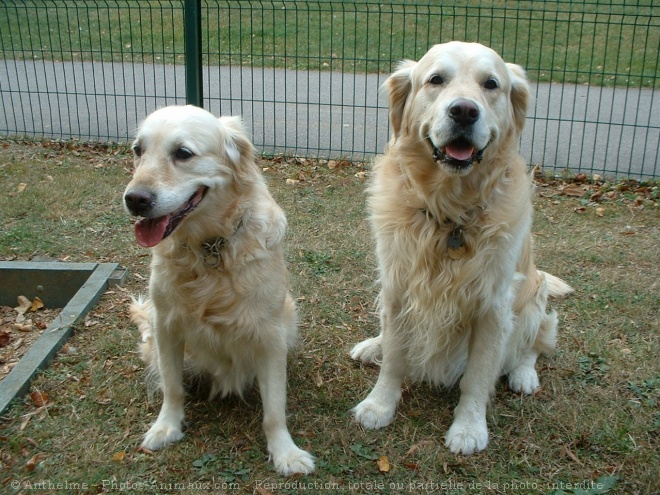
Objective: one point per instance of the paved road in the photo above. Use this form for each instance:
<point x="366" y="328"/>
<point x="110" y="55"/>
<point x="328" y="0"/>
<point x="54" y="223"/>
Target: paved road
<point x="317" y="113"/>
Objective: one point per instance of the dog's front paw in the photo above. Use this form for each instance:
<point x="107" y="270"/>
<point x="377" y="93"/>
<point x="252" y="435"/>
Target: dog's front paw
<point x="161" y="435"/>
<point x="373" y="414"/>
<point x="524" y="380"/>
<point x="467" y="438"/>
<point x="369" y="351"/>
<point x="293" y="460"/>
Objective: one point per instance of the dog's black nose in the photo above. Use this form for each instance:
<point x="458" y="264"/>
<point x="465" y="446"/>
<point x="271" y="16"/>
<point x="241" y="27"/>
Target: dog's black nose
<point x="139" y="201"/>
<point x="464" y="112"/>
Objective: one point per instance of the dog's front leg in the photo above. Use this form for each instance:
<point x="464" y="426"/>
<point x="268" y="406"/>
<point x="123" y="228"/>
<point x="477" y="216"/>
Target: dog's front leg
<point x="469" y="433"/>
<point x="167" y="428"/>
<point x="378" y="409"/>
<point x="271" y="375"/>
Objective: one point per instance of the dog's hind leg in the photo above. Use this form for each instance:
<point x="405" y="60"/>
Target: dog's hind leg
<point x="537" y="333"/>
<point x="523" y="377"/>
<point x="369" y="351"/>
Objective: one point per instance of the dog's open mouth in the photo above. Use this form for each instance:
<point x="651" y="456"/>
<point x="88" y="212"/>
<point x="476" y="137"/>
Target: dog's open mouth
<point x="150" y="231"/>
<point x="459" y="154"/>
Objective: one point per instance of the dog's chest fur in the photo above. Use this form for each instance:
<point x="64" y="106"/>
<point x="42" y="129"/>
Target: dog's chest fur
<point x="439" y="296"/>
<point x="221" y="297"/>
<point x="223" y="334"/>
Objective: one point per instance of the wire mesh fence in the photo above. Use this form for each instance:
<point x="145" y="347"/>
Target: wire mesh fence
<point x="306" y="75"/>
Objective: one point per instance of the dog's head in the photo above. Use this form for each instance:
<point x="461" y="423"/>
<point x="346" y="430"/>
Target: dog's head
<point x="459" y="99"/>
<point x="181" y="153"/>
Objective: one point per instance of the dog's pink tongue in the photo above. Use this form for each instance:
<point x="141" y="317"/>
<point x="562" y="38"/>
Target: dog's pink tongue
<point x="150" y="231"/>
<point x="459" y="152"/>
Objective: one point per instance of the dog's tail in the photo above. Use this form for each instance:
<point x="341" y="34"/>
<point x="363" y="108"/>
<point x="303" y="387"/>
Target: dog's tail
<point x="556" y="286"/>
<point x="140" y="312"/>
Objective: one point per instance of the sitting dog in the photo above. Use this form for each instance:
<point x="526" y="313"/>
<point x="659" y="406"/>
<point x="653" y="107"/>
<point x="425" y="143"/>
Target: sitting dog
<point x="219" y="304"/>
<point x="451" y="211"/>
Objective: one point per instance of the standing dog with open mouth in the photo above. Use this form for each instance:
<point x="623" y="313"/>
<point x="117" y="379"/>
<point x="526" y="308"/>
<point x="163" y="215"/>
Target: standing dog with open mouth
<point x="451" y="210"/>
<point x="219" y="304"/>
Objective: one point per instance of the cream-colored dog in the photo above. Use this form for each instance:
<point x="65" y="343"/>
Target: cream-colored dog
<point x="451" y="212"/>
<point x="219" y="302"/>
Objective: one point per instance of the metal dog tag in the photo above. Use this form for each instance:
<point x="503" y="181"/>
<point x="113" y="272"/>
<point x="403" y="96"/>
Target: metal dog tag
<point x="456" y="244"/>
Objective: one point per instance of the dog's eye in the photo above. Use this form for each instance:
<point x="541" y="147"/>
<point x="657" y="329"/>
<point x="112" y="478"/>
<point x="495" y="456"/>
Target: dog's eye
<point x="436" y="80"/>
<point x="183" y="154"/>
<point x="491" y="84"/>
<point x="137" y="151"/>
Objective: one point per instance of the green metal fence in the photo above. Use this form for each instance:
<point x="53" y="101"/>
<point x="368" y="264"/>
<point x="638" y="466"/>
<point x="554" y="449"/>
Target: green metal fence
<point x="305" y="75"/>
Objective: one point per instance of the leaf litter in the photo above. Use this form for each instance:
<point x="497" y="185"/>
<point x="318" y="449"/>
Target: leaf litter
<point x="20" y="327"/>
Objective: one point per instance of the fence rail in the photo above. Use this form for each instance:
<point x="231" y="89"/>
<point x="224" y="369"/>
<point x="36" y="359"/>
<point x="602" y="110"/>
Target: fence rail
<point x="305" y="75"/>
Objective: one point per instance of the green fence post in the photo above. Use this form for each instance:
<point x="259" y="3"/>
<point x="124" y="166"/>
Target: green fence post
<point x="193" y="46"/>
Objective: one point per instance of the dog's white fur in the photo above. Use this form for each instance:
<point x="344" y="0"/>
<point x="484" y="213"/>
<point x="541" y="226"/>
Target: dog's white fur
<point x="231" y="319"/>
<point x="470" y="319"/>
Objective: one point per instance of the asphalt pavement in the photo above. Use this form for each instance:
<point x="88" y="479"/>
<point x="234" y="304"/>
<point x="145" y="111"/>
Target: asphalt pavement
<point x="615" y="131"/>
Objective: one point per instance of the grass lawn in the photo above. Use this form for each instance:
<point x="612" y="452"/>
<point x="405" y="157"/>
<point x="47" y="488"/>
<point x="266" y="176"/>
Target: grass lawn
<point x="598" y="43"/>
<point x="594" y="423"/>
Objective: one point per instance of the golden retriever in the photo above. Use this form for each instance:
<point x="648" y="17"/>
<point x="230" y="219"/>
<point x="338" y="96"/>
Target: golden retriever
<point x="219" y="302"/>
<point x="451" y="210"/>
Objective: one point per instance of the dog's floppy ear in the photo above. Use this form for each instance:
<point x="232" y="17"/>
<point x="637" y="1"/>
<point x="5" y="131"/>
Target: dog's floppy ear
<point x="520" y="95"/>
<point x="398" y="87"/>
<point x="237" y="145"/>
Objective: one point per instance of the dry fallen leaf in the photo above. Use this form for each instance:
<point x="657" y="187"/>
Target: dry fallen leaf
<point x="119" y="456"/>
<point x="24" y="327"/>
<point x="24" y="305"/>
<point x="292" y="182"/>
<point x="21" y="187"/>
<point x="36" y="304"/>
<point x="4" y="339"/>
<point x="570" y="454"/>
<point x="596" y="197"/>
<point x="573" y="190"/>
<point x="417" y="446"/>
<point x="600" y="212"/>
<point x="39" y="399"/>
<point x="32" y="463"/>
<point x="24" y="423"/>
<point x="383" y="464"/>
<point x="145" y="450"/>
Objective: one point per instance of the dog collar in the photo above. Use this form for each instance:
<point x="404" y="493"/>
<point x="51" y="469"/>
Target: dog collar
<point x="211" y="249"/>
<point x="456" y="248"/>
